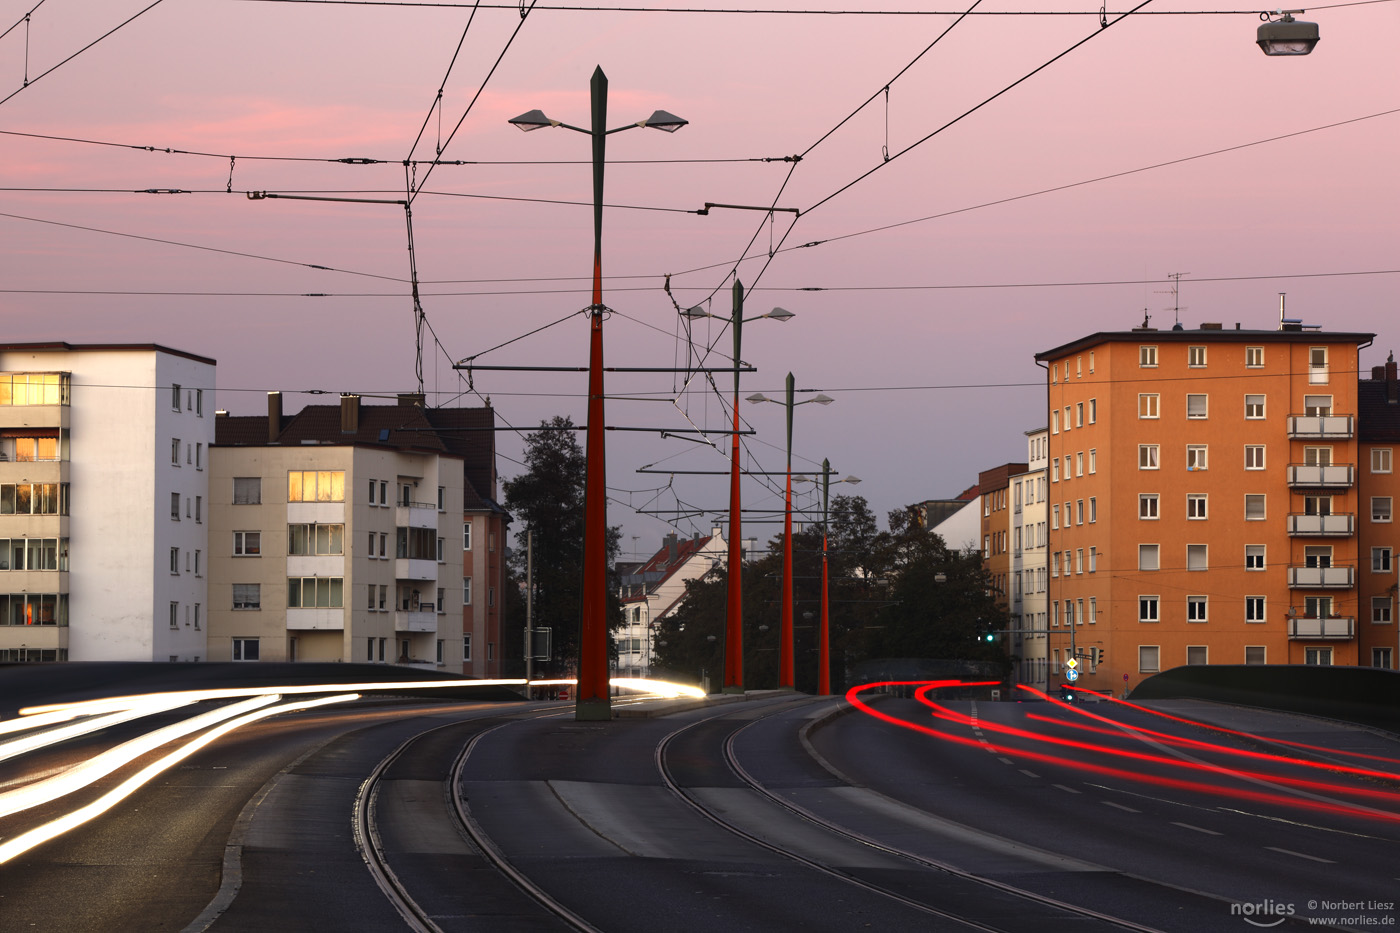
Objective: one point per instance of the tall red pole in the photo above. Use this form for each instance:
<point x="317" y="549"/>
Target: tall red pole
<point x="824" y="638"/>
<point x="786" y="681"/>
<point x="734" y="613"/>
<point x="593" y="695"/>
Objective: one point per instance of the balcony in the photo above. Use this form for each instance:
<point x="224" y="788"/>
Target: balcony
<point x="315" y="620"/>
<point x="1322" y="578"/>
<point x="1337" y="525"/>
<point x="409" y="569"/>
<point x="1330" y="628"/>
<point x="416" y="515"/>
<point x="1329" y="427"/>
<point x="1314" y="476"/>
<point x="422" y="621"/>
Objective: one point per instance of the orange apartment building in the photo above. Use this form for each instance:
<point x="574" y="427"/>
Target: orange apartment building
<point x="994" y="487"/>
<point x="1213" y="500"/>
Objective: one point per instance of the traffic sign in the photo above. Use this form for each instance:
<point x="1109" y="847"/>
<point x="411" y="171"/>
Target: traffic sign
<point x="1071" y="675"/>
<point x="1072" y="663"/>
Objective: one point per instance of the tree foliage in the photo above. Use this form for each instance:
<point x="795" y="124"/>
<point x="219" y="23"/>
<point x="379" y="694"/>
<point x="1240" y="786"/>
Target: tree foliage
<point x="547" y="498"/>
<point x="885" y="600"/>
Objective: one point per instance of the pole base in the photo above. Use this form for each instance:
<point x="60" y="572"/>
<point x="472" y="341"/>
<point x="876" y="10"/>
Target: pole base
<point x="593" y="710"/>
<point x="733" y="688"/>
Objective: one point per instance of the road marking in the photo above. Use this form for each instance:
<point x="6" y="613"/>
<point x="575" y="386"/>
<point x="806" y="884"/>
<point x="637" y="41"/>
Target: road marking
<point x="1310" y="858"/>
<point x="1028" y="773"/>
<point x="1005" y="761"/>
<point x="1208" y="832"/>
<point x="1068" y="790"/>
<point x="1119" y="806"/>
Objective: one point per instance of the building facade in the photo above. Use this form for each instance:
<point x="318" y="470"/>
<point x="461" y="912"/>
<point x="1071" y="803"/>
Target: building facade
<point x="103" y="501"/>
<point x="1029" y="563"/>
<point x="1206" y="505"/>
<point x="1378" y="428"/>
<point x="343" y="533"/>
<point x="655" y="588"/>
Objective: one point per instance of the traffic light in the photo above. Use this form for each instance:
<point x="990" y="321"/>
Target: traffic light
<point x="989" y="637"/>
<point x="1097" y="655"/>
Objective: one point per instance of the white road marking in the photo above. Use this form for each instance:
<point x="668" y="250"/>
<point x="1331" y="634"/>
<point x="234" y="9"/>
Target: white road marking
<point x="1208" y="832"/>
<point x="1310" y="858"/>
<point x="1068" y="790"/>
<point x="1028" y="773"/>
<point x="1118" y="806"/>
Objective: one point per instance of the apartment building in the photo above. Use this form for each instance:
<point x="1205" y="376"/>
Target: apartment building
<point x="104" y="490"/>
<point x="1029" y="562"/>
<point x="655" y="588"/>
<point x="1205" y="501"/>
<point x="1378" y="430"/>
<point x="994" y="492"/>
<point x="357" y="533"/>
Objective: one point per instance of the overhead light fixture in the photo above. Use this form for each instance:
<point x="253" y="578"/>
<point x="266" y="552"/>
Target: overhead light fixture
<point x="1286" y="35"/>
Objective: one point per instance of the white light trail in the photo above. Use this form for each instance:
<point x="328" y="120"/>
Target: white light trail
<point x="135" y="708"/>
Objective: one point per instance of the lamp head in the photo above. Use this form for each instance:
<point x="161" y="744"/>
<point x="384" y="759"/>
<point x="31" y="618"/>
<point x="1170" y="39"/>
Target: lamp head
<point x="780" y="314"/>
<point x="1287" y="36"/>
<point x="534" y="120"/>
<point x="695" y="313"/>
<point x="822" y="399"/>
<point x="758" y="397"/>
<point x="851" y="479"/>
<point x="661" y="120"/>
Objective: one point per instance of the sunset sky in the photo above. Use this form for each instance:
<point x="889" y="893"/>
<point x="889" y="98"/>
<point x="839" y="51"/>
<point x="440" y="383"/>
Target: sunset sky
<point x="1164" y="143"/>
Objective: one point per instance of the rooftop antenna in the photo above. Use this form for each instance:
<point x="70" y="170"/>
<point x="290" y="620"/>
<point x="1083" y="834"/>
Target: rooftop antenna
<point x="1175" y="292"/>
<point x="1283" y="319"/>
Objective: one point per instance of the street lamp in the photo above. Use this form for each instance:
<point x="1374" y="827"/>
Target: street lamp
<point x="734" y="610"/>
<point x="824" y="638"/>
<point x="593" y="698"/>
<point x="785" y="647"/>
<point x="1286" y="35"/>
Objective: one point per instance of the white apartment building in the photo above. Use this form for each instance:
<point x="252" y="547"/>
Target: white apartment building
<point x="655" y="589"/>
<point x="1029" y="565"/>
<point x="104" y="492"/>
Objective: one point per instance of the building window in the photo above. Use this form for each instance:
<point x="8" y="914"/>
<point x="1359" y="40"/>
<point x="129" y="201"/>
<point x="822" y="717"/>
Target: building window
<point x="1381" y="657"/>
<point x="1196" y="506"/>
<point x="174" y="506"/>
<point x="1380" y="560"/>
<point x="1079" y="560"/>
<point x="1380" y="460"/>
<point x="199" y="456"/>
<point x="315" y="592"/>
<point x="466" y="536"/>
<point x="1148" y="609"/>
<point x="247" y="490"/>
<point x="307" y="540"/>
<point x="490" y="596"/>
<point x="1149" y="405"/>
<point x="1254" y="557"/>
<point x="1253" y="407"/>
<point x="1196" y="557"/>
<point x="1195" y="357"/>
<point x="1317" y="406"/>
<point x="439" y="651"/>
<point x="1055" y="421"/>
<point x="1079" y="464"/>
<point x="1149" y="557"/>
<point x="1380" y="508"/>
<point x="1317" y="368"/>
<point x="1380" y="610"/>
<point x="1196" y="654"/>
<point x="1147" y="505"/>
<point x="1254" y="507"/>
<point x="1197" y="406"/>
<point x="174" y="615"/>
<point x="442" y="498"/>
<point x="1148" y="659"/>
<point x="1093" y="410"/>
<point x="466" y="591"/>
<point x="1093" y="460"/>
<point x="316" y="486"/>
<point x="1195" y="456"/>
<point x="1148" y="456"/>
<point x="384" y="493"/>
<point x="1079" y="511"/>
<point x="441" y="600"/>
<point x="175" y="397"/>
<point x="466" y="646"/>
<point x="1255" y="654"/>
<point x="1320" y="657"/>
<point x="175" y="560"/>
<point x="1254" y="359"/>
<point x="245" y="649"/>
<point x="369" y="597"/>
<point x="1093" y="509"/>
<point x="1196" y="608"/>
<point x="1054" y="470"/>
<point x="1254" y="456"/>
<point x="247" y="596"/>
<point x="174" y="451"/>
<point x="1079" y="414"/>
<point x="1093" y="559"/>
<point x="1147" y="357"/>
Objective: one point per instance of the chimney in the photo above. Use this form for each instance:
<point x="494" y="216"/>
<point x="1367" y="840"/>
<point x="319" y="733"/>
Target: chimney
<point x="1392" y="385"/>
<point x="672" y="548"/>
<point x="1377" y="373"/>
<point x="349" y="414"/>
<point x="274" y="416"/>
<point x="715" y="531"/>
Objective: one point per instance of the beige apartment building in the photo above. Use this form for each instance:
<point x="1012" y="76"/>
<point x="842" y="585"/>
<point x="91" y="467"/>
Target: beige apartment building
<point x="364" y="533"/>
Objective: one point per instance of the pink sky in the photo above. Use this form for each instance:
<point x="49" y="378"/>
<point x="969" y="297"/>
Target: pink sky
<point x="888" y="339"/>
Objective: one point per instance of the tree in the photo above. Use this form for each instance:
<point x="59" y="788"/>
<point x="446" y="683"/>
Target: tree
<point x="547" y="498"/>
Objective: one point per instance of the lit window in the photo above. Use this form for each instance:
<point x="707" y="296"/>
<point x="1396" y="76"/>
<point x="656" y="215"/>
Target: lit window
<point x="247" y="544"/>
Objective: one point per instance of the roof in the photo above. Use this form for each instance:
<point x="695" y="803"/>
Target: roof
<point x="1378" y="419"/>
<point x="62" y="346"/>
<point x="464" y="433"/>
<point x="1217" y="334"/>
<point x="660" y="567"/>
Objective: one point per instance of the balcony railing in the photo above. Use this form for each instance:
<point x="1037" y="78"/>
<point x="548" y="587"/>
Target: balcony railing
<point x="424" y="620"/>
<point x="1341" y="524"/>
<point x="1322" y="578"/>
<point x="1332" y="627"/>
<point x="1331" y="476"/>
<point x="1321" y="426"/>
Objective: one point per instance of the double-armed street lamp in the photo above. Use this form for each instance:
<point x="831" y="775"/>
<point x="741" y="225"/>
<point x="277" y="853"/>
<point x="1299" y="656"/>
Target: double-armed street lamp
<point x="594" y="701"/>
<point x="824" y="632"/>
<point x="785" y="647"/>
<point x="734" y="611"/>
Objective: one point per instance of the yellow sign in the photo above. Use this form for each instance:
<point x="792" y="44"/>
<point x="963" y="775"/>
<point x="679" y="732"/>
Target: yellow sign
<point x="1072" y="663"/>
